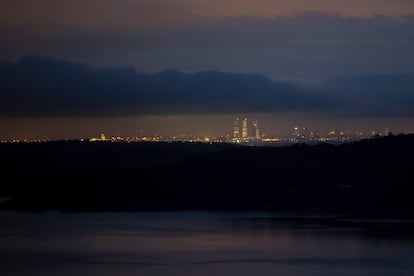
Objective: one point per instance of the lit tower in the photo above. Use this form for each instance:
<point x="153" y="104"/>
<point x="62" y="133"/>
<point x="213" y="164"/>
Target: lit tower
<point x="236" y="129"/>
<point x="245" y="132"/>
<point x="256" y="128"/>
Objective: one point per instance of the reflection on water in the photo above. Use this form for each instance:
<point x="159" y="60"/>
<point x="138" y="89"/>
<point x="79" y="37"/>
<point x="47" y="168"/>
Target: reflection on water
<point x="201" y="243"/>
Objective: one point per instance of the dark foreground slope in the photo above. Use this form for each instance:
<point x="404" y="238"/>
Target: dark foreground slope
<point x="369" y="176"/>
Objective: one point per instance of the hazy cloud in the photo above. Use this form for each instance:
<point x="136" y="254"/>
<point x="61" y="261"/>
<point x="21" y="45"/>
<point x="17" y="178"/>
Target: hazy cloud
<point x="37" y="86"/>
<point x="376" y="95"/>
<point x="306" y="46"/>
<point x="139" y="14"/>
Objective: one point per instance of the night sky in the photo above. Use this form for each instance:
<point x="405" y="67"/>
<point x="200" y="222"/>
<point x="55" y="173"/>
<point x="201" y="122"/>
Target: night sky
<point x="72" y="69"/>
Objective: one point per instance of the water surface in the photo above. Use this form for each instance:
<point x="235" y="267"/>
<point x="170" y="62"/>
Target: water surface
<point x="202" y="243"/>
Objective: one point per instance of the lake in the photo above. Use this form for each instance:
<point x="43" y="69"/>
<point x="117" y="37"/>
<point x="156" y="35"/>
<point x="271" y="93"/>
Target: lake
<point x="203" y="243"/>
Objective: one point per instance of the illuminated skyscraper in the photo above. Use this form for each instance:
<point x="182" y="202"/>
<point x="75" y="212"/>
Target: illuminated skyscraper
<point x="236" y="128"/>
<point x="245" y="132"/>
<point x="256" y="129"/>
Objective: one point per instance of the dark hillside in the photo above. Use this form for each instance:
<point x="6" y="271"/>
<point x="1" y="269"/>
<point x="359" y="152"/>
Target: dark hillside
<point x="369" y="176"/>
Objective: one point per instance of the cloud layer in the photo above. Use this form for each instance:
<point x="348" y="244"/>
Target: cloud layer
<point x="306" y="46"/>
<point x="38" y="86"/>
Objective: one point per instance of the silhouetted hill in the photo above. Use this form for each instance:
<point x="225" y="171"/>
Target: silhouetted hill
<point x="369" y="176"/>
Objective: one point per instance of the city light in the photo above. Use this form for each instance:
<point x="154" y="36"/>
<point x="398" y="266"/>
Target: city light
<point x="244" y="131"/>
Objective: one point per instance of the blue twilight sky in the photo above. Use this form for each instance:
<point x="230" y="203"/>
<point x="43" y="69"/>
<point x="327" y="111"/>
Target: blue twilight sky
<point x="324" y="64"/>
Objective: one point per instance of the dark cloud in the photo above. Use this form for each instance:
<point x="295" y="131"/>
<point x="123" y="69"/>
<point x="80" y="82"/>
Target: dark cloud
<point x="36" y="86"/>
<point x="308" y="46"/>
<point x="376" y="95"/>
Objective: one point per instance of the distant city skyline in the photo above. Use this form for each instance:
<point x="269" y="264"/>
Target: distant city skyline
<point x="197" y="126"/>
<point x="250" y="130"/>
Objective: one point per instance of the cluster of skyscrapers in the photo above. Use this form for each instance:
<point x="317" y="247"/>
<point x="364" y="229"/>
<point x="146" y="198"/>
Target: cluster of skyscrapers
<point x="243" y="133"/>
